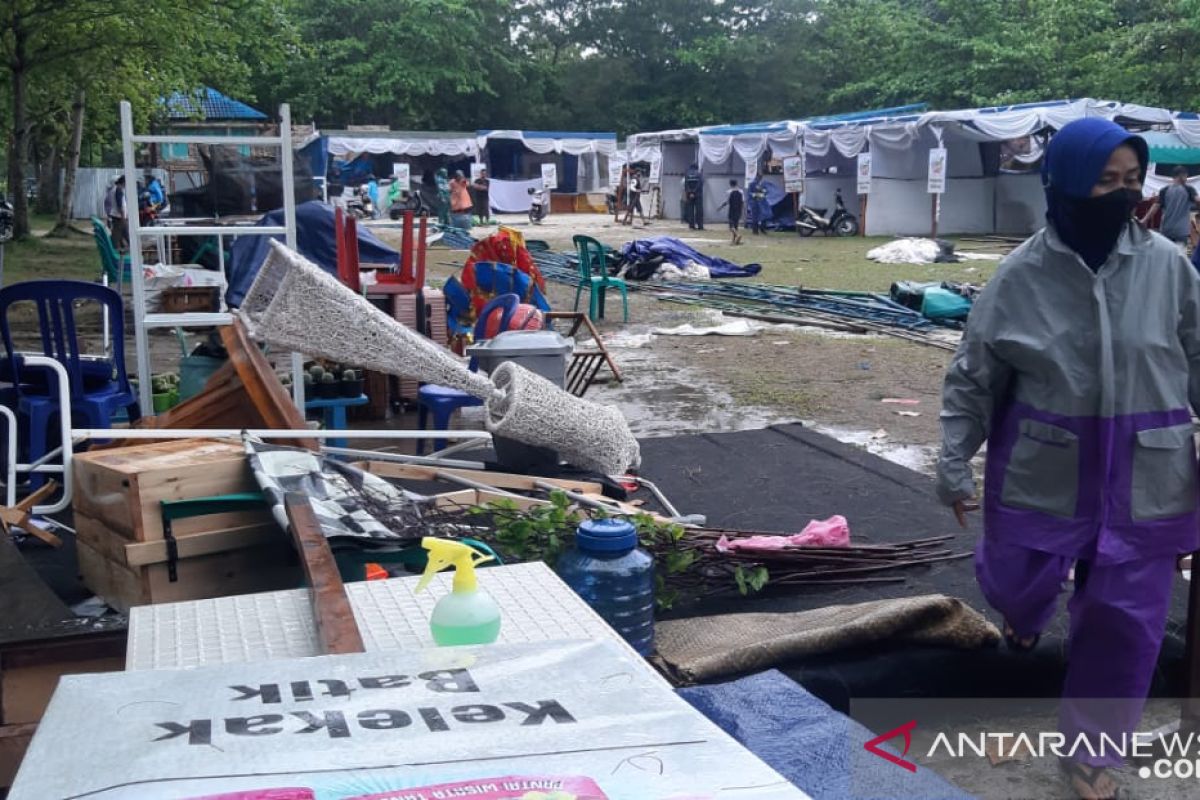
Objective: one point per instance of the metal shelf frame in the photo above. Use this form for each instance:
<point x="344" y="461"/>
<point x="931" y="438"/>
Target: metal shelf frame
<point x="144" y="322"/>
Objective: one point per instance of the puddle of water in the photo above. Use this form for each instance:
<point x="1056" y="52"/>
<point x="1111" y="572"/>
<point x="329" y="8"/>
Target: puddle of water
<point x="659" y="398"/>
<point x="919" y="458"/>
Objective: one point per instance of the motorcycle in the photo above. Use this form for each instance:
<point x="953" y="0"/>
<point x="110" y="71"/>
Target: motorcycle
<point x="537" y="205"/>
<point x="840" y="223"/>
<point x="360" y="204"/>
<point x="408" y="201"/>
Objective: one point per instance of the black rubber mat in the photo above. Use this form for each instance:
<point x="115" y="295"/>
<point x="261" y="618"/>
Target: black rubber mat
<point x="779" y="478"/>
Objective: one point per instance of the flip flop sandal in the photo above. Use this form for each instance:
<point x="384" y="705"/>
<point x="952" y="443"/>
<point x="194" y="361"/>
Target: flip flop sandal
<point x="1014" y="642"/>
<point x="1076" y="771"/>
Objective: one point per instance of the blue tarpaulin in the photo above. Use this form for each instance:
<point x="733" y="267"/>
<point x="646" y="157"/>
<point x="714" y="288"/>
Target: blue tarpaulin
<point x="816" y="748"/>
<point x="314" y="240"/>
<point x="676" y="252"/>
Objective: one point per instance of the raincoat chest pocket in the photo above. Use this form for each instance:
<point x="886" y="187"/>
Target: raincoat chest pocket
<point x="1164" y="473"/>
<point x="1043" y="471"/>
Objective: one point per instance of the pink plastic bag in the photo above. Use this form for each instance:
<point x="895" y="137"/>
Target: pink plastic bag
<point x="832" y="532"/>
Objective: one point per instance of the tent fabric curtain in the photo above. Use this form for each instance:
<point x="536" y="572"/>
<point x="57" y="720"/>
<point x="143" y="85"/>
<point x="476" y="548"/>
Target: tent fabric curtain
<point x="346" y="145"/>
<point x="544" y="146"/>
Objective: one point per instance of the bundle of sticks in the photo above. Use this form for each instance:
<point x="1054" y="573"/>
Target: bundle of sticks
<point x="803" y="565"/>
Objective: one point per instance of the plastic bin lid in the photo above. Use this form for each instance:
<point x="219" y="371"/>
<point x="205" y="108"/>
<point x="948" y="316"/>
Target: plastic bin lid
<point x="524" y="343"/>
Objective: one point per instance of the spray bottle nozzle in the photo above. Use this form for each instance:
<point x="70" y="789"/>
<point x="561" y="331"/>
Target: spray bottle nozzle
<point x="445" y="553"/>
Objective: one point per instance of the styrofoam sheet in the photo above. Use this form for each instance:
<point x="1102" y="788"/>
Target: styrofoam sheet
<point x="542" y="716"/>
<point x="535" y="606"/>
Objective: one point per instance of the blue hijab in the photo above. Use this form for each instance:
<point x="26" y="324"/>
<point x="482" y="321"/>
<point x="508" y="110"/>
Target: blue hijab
<point x="1074" y="161"/>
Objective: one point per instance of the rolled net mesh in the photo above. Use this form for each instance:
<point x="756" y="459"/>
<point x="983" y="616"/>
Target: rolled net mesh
<point x="294" y="304"/>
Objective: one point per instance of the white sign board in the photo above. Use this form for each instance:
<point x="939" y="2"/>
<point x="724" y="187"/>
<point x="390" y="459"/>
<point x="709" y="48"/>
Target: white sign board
<point x="937" y="170"/>
<point x="614" y="173"/>
<point x="751" y="171"/>
<point x="477" y="169"/>
<point x="501" y="722"/>
<point x="655" y="171"/>
<point x="402" y="174"/>
<point x="793" y="174"/>
<point x="550" y="176"/>
<point x="864" y="173"/>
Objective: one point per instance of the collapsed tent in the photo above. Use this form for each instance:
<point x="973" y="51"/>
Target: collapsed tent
<point x="665" y="249"/>
<point x="315" y="241"/>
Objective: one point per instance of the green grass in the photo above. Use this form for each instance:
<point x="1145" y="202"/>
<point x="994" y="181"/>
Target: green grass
<point x="834" y="263"/>
<point x="40" y="257"/>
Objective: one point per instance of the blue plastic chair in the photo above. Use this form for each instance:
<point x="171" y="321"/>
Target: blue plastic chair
<point x="443" y="401"/>
<point x="99" y="387"/>
<point x="593" y="274"/>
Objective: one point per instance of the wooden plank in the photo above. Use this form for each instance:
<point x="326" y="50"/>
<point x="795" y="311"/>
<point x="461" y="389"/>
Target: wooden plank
<point x="14" y="741"/>
<point x="266" y="393"/>
<point x="138" y="554"/>
<point x="119" y="586"/>
<point x="498" y="480"/>
<point x="474" y="497"/>
<point x="336" y="628"/>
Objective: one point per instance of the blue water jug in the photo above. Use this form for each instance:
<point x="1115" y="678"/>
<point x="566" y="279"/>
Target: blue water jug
<point x="615" y="577"/>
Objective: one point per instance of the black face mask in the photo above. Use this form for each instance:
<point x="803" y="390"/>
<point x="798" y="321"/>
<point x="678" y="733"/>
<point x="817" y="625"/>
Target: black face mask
<point x="1091" y="225"/>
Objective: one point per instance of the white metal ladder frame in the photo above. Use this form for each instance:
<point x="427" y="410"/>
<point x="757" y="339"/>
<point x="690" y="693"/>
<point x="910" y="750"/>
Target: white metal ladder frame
<point x="143" y="322"/>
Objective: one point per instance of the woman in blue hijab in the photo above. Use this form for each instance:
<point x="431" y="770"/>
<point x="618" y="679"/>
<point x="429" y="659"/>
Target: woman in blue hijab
<point x="1080" y="368"/>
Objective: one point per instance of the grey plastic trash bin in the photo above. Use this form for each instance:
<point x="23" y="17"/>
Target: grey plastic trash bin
<point x="542" y="352"/>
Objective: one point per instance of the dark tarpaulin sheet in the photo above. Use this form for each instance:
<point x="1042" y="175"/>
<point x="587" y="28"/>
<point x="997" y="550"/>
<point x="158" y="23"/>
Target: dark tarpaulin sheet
<point x="314" y="240"/>
<point x="676" y="252"/>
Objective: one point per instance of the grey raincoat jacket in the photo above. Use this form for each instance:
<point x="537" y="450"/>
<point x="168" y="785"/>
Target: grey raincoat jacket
<point x="1082" y="385"/>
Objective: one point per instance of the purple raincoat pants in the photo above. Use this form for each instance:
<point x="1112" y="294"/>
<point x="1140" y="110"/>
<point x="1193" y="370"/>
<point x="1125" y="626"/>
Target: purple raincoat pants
<point x="1118" y="619"/>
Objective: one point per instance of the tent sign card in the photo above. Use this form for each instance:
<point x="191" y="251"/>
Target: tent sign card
<point x="401" y="173"/>
<point x="614" y="173"/>
<point x="655" y="171"/>
<point x="937" y="170"/>
<point x="864" y="173"/>
<point x="793" y="174"/>
<point x="550" y="176"/>
<point x="477" y="169"/>
<point x="751" y="171"/>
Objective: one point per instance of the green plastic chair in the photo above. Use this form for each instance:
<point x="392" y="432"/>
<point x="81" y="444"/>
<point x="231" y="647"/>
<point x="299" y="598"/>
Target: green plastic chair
<point x="593" y="274"/>
<point x="115" y="267"/>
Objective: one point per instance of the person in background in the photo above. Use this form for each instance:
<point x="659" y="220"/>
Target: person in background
<point x="1177" y="200"/>
<point x="118" y="220"/>
<point x="443" y="196"/>
<point x="373" y="193"/>
<point x="1080" y="368"/>
<point x="483" y="206"/>
<point x="156" y="196"/>
<point x="737" y="205"/>
<point x="460" y="201"/>
<point x="636" y="187"/>
<point x="759" y="208"/>
<point x="429" y="193"/>
<point x="693" y="199"/>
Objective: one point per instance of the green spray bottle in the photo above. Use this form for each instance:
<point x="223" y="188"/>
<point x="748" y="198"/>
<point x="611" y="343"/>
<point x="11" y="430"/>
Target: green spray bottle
<point x="466" y="615"/>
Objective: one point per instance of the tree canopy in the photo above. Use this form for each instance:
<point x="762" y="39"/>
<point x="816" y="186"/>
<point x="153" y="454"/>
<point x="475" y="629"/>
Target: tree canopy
<point x="622" y="65"/>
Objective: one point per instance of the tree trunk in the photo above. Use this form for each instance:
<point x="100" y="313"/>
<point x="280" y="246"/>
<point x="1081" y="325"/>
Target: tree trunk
<point x="20" y="136"/>
<point x="48" y="183"/>
<point x="71" y="167"/>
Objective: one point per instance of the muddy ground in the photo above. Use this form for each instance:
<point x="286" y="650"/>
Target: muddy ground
<point x="833" y="381"/>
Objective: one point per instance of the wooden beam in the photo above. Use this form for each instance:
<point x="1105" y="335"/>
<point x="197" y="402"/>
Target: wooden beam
<point x="499" y="480"/>
<point x="337" y="630"/>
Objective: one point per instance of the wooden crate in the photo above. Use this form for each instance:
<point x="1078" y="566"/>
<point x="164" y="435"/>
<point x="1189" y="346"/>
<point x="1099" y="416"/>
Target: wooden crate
<point x="244" y="570"/>
<point x="123" y="556"/>
<point x="123" y="487"/>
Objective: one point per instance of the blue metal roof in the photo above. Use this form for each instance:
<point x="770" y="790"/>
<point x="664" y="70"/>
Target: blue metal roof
<point x="212" y="106"/>
<point x="829" y="119"/>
